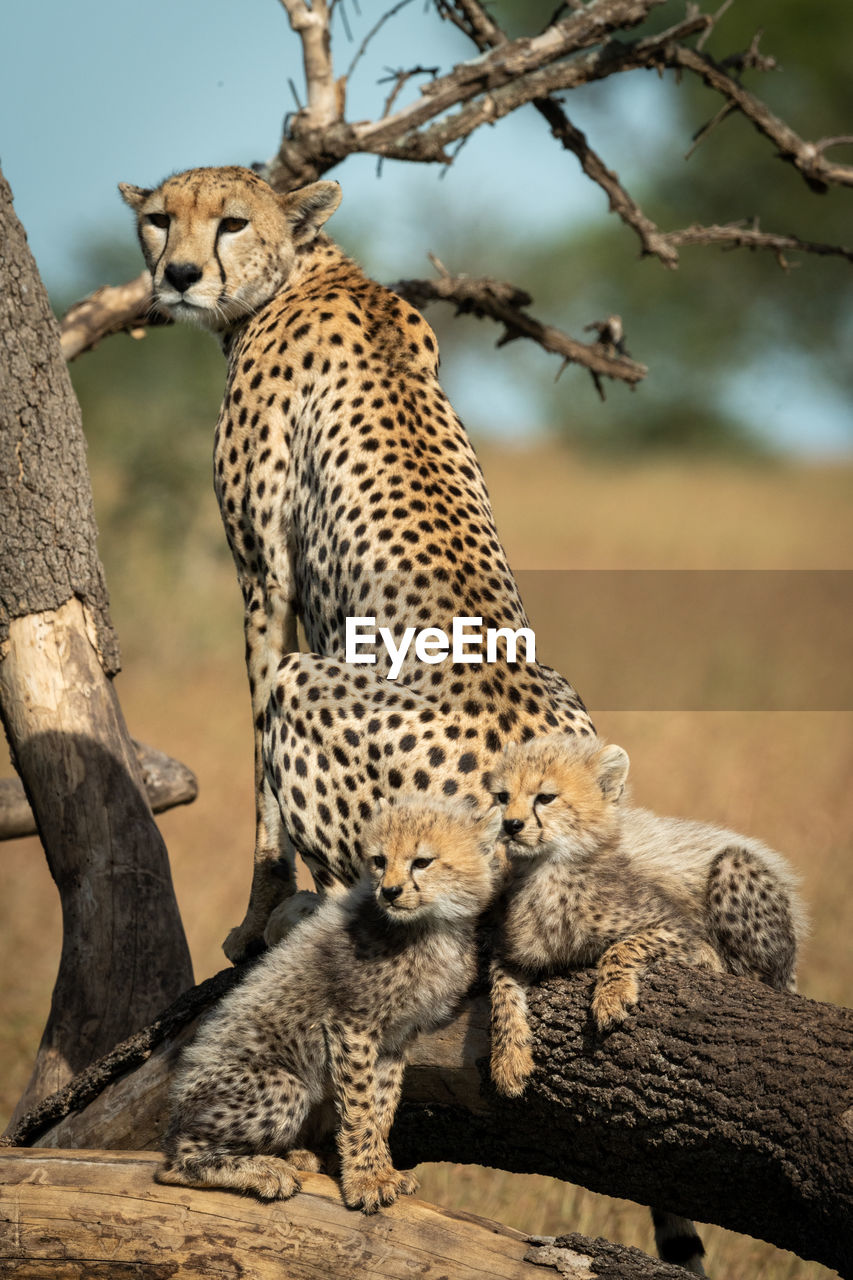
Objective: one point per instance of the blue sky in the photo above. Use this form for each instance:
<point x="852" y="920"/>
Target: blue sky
<point x="103" y="91"/>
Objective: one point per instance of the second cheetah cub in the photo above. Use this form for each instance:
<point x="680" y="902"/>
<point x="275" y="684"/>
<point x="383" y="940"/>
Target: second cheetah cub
<point x="597" y="881"/>
<point x="326" y="1016"/>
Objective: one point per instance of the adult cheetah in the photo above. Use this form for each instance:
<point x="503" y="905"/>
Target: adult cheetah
<point x="348" y="487"/>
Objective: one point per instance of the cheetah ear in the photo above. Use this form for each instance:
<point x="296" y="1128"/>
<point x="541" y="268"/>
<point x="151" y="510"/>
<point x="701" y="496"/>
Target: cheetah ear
<point x="490" y="828"/>
<point x="307" y="209"/>
<point x="612" y="772"/>
<point x="134" y="196"/>
<point x="382" y="806"/>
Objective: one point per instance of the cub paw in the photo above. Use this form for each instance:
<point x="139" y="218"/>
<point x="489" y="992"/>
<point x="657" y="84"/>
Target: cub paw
<point x="613" y="1000"/>
<point x="373" y="1189"/>
<point x="288" y="914"/>
<point x="305" y="1161"/>
<point x="271" y="1179"/>
<point x="511" y="1070"/>
<point x="242" y="944"/>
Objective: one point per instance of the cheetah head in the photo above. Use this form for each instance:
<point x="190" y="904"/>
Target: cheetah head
<point x="220" y="243"/>
<point x="559" y="794"/>
<point x="432" y="860"/>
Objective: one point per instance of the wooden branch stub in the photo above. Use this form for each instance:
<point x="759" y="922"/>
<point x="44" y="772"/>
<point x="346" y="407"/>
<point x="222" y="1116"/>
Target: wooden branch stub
<point x="64" y="1214"/>
<point x="168" y="783"/>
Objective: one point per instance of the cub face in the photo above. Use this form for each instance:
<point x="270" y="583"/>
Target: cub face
<point x="559" y="794"/>
<point x="427" y="860"/>
<point x="220" y="243"/>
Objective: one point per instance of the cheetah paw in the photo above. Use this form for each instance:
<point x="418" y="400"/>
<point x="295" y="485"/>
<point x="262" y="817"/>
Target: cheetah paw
<point x="373" y="1189"/>
<point x="242" y="944"/>
<point x="613" y="1000"/>
<point x="511" y="1070"/>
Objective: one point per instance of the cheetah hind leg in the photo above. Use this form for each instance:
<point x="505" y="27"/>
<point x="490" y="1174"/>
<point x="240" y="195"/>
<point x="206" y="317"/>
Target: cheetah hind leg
<point x="267" y="1177"/>
<point x="750" y="918"/>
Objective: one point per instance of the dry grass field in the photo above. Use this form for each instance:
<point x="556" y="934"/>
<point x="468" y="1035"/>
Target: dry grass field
<point x="783" y="775"/>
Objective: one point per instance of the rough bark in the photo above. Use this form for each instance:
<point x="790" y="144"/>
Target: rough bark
<point x="168" y="783"/>
<point x="124" y="954"/>
<point x="68" y="1214"/>
<point x="720" y="1099"/>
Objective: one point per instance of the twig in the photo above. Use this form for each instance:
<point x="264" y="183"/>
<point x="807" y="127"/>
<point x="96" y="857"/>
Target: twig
<point x="362" y="48"/>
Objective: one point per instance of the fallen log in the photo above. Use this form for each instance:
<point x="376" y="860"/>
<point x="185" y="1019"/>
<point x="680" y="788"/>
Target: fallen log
<point x="719" y="1099"/>
<point x="168" y="783"/>
<point x="64" y="1214"/>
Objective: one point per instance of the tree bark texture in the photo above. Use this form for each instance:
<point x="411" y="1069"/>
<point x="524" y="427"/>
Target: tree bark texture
<point x="67" y="1214"/>
<point x="719" y="1099"/>
<point x="124" y="955"/>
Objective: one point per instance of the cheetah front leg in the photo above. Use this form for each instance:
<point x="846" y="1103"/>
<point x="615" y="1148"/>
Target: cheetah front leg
<point x="512" y="1060"/>
<point x="270" y="629"/>
<point x="623" y="964"/>
<point x="367" y="1089"/>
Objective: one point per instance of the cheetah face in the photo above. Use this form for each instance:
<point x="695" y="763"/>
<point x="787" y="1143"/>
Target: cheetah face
<point x="432" y="861"/>
<point x="220" y="243"/>
<point x="559" y="795"/>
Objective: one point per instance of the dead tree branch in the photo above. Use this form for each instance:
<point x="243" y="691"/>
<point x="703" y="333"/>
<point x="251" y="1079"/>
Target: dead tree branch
<point x="504" y="303"/>
<point x="64" y="1214"/>
<point x="113" y="311"/>
<point x="167" y="783"/>
<point x="719" y="1099"/>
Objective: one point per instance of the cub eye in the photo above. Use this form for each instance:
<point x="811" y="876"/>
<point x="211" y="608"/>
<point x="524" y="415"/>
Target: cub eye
<point x="502" y="797"/>
<point x="378" y="862"/>
<point x="159" y="220"/>
<point x="233" y="224"/>
<point x="420" y="863"/>
<point x="545" y="798"/>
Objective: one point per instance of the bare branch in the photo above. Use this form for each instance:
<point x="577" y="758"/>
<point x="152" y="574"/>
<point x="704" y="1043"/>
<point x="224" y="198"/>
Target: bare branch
<point x="111" y="309"/>
<point x="807" y="157"/>
<point x="311" y="24"/>
<point x="738" y="235"/>
<point x="505" y="303"/>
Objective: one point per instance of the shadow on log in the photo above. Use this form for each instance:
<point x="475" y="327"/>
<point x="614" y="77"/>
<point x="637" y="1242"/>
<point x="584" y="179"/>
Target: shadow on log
<point x="98" y="1213"/>
<point x="720" y="1099"/>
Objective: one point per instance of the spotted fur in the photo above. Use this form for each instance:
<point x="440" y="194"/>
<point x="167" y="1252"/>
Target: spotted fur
<point x="598" y="882"/>
<point x="326" y="1016"/>
<point x="348" y="487"/>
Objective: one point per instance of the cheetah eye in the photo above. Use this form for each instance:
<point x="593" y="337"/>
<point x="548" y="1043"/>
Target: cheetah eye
<point x="545" y="798"/>
<point x="378" y="862"/>
<point x="159" y="220"/>
<point x="502" y="797"/>
<point x="233" y="224"/>
<point x="420" y="863"/>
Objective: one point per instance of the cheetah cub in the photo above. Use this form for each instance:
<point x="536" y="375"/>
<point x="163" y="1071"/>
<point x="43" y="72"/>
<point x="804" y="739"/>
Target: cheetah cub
<point x="327" y="1015"/>
<point x="597" y="881"/>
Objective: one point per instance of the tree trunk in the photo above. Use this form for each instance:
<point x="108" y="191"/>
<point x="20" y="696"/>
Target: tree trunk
<point x="720" y="1099"/>
<point x="65" y="1214"/>
<point x="124" y="954"/>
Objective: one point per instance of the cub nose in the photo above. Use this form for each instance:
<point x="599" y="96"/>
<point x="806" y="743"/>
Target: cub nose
<point x="182" y="274"/>
<point x="512" y="826"/>
<point x="391" y="891"/>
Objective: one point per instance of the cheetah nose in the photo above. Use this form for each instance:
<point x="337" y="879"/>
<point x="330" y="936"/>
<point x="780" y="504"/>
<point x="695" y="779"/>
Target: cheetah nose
<point x="512" y="826"/>
<point x="182" y="274"/>
<point x="391" y="891"/>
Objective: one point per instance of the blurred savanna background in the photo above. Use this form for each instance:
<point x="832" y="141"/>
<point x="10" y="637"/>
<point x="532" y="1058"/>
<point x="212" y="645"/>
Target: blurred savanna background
<point x="734" y="456"/>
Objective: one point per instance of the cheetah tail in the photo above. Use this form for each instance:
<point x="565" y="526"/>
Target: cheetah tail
<point x="677" y="1241"/>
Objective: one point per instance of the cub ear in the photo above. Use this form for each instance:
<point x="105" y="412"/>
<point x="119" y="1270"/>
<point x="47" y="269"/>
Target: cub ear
<point x="490" y="828"/>
<point x="307" y="209"/>
<point x="381" y="806"/>
<point x="612" y="767"/>
<point x="134" y="196"/>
